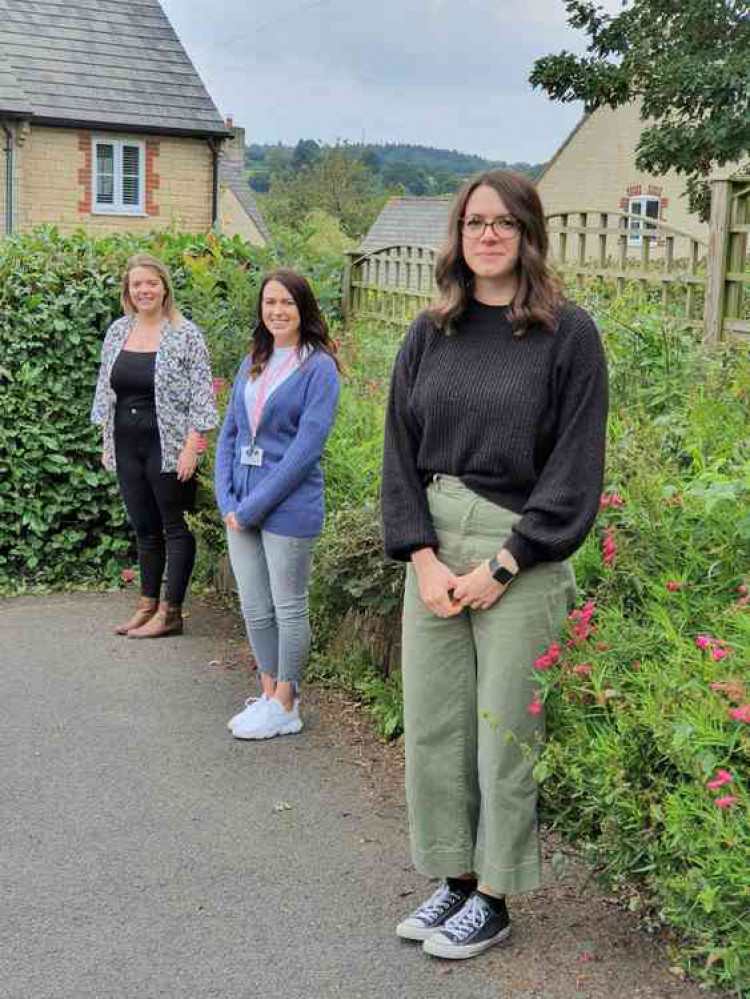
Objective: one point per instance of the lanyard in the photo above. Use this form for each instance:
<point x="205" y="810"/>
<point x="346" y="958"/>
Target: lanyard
<point x="266" y="386"/>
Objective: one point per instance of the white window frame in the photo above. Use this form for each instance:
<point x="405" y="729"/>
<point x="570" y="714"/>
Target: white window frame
<point x="118" y="207"/>
<point x="635" y="226"/>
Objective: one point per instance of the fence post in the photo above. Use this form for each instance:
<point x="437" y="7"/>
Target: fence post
<point x="716" y="261"/>
<point x="346" y="291"/>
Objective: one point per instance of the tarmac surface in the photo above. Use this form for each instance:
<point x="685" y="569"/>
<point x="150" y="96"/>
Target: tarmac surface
<point x="144" y="852"/>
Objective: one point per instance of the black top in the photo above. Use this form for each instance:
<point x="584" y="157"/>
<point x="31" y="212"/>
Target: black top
<point x="520" y="420"/>
<point x="132" y="379"/>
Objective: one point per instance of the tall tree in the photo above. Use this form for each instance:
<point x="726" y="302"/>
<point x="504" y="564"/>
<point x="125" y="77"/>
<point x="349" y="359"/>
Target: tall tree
<point x="306" y="152"/>
<point x="337" y="183"/>
<point x="688" y="64"/>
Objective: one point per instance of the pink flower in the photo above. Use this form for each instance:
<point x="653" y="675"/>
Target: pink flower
<point x="742" y="588"/>
<point x="743" y="602"/>
<point x="704" y="641"/>
<point x="719" y="653"/>
<point x="583" y="628"/>
<point x="740" y="714"/>
<point x="219" y="384"/>
<point x="127" y="576"/>
<point x="726" y="802"/>
<point x="721" y="778"/>
<point x="554" y="652"/>
<point x="544" y="662"/>
<point x="583" y="669"/>
<point x="535" y="708"/>
<point x="609" y="546"/>
<point x="674" y="585"/>
<point x="617" y="500"/>
<point x="604" y="501"/>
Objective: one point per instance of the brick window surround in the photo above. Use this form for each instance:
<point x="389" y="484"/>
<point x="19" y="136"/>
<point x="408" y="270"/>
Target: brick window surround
<point x="86" y="174"/>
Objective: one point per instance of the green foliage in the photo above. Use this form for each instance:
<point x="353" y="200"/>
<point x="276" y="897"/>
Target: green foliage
<point x="335" y="182"/>
<point x="61" y="517"/>
<point x="635" y="728"/>
<point x="688" y="66"/>
<point x="310" y="175"/>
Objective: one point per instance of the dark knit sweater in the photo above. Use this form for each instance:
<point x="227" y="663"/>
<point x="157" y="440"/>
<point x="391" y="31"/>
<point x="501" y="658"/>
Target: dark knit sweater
<point x="520" y="420"/>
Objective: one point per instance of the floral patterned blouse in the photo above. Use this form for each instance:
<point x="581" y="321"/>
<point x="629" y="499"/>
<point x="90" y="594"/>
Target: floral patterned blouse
<point x="183" y="388"/>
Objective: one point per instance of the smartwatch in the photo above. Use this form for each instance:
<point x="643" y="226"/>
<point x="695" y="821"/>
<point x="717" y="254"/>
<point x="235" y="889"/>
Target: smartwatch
<point x="500" y="573"/>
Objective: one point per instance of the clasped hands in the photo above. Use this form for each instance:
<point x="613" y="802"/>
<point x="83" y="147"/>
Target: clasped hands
<point x="447" y="594"/>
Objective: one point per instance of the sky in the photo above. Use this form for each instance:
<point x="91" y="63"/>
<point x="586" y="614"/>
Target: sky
<point x="446" y="73"/>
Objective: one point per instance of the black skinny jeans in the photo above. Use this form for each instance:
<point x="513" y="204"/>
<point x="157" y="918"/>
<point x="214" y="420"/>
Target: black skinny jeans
<point x="156" y="503"/>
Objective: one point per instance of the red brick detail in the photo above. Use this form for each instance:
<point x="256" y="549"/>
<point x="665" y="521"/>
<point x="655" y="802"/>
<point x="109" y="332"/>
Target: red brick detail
<point x="624" y="204"/>
<point x="664" y="203"/>
<point x="654" y="190"/>
<point x="153" y="180"/>
<point x="634" y="190"/>
<point x="85" y="173"/>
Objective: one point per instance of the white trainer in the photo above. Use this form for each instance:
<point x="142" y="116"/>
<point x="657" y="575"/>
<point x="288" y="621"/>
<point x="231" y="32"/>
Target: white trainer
<point x="274" y="720"/>
<point x="252" y="705"/>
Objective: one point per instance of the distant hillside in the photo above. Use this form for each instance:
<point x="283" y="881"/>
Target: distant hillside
<point x="413" y="168"/>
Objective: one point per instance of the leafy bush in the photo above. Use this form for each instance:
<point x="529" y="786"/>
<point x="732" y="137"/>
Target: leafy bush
<point x="61" y="517"/>
<point x="647" y="764"/>
<point x="640" y="719"/>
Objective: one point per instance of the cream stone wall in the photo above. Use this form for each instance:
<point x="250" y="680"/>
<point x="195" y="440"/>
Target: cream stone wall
<point x="596" y="169"/>
<point x="53" y="166"/>
<point x="235" y="221"/>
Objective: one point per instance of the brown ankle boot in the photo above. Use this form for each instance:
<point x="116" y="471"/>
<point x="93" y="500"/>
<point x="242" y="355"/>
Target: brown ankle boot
<point x="147" y="607"/>
<point x="166" y="621"/>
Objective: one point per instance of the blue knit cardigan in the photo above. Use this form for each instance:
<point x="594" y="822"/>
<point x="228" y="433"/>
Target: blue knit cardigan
<point x="285" y="494"/>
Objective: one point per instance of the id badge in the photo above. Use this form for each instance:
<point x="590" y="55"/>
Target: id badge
<point x="252" y="456"/>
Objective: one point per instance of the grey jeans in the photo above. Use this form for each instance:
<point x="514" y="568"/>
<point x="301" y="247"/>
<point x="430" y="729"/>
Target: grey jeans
<point x="272" y="573"/>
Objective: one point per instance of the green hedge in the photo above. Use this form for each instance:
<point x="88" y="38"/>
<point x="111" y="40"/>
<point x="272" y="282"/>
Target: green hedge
<point x="640" y="719"/>
<point x="61" y="518"/>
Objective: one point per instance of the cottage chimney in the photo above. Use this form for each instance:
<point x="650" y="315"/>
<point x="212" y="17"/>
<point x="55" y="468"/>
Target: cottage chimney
<point x="234" y="148"/>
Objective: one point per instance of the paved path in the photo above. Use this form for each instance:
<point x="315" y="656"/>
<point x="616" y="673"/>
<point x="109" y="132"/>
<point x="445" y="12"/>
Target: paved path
<point x="146" y="853"/>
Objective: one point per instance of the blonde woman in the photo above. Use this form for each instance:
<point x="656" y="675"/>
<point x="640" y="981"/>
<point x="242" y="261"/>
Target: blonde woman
<point x="154" y="398"/>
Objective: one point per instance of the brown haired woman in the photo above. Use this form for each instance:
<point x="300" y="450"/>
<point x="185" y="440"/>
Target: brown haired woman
<point x="269" y="488"/>
<point x="154" y="398"/>
<point x="493" y="467"/>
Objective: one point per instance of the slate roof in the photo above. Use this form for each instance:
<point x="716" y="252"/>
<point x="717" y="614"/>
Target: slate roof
<point x="106" y="63"/>
<point x="410" y="221"/>
<point x="232" y="175"/>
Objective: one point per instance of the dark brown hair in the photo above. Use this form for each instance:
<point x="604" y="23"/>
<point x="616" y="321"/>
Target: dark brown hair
<point x="313" y="328"/>
<point x="539" y="294"/>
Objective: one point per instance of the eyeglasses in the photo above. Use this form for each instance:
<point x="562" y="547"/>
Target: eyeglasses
<point x="503" y="227"/>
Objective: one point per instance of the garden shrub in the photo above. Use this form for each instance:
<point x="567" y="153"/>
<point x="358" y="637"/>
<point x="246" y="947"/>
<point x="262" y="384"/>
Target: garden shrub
<point x="61" y="517"/>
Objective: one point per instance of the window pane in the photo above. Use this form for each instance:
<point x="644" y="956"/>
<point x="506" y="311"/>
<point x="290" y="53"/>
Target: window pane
<point x="652" y="208"/>
<point x="105" y="174"/>
<point x="131" y="175"/>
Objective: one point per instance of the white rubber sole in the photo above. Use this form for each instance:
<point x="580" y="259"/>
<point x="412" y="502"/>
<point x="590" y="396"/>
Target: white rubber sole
<point x="407" y="931"/>
<point x="440" y="946"/>
<point x="291" y="728"/>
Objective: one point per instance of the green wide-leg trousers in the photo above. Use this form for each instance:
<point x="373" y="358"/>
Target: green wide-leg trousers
<point x="471" y="741"/>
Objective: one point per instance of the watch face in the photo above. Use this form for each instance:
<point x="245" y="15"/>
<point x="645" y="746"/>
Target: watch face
<point x="503" y="575"/>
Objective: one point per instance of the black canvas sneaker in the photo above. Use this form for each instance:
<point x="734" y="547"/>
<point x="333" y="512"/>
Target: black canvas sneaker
<point x="473" y="929"/>
<point x="430" y="916"/>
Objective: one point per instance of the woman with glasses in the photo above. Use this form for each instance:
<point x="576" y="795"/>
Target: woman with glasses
<point x="493" y="466"/>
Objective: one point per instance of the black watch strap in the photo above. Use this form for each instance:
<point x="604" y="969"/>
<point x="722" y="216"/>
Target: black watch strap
<point x="500" y="573"/>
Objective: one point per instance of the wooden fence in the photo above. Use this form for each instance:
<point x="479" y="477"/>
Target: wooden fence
<point x="703" y="285"/>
